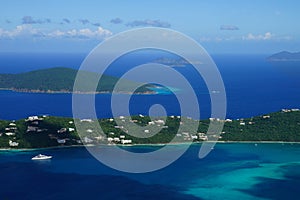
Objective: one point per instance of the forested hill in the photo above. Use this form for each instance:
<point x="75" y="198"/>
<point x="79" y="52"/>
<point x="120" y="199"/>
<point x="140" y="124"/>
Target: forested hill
<point x="49" y="131"/>
<point x="59" y="79"/>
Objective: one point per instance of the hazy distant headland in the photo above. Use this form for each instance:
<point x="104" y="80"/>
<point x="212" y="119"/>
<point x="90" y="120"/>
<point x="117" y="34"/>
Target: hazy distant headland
<point x="284" y="56"/>
<point x="174" y="62"/>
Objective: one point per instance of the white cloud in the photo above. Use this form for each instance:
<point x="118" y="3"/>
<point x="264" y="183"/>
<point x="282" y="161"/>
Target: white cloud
<point x="266" y="36"/>
<point x="27" y="30"/>
<point x="24" y="30"/>
<point x="99" y="33"/>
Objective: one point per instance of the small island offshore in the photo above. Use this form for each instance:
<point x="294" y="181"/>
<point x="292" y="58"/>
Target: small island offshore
<point x="49" y="131"/>
<point x="284" y="56"/>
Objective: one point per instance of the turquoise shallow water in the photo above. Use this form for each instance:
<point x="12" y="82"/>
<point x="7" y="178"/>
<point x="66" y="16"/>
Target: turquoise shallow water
<point x="230" y="171"/>
<point x="247" y="171"/>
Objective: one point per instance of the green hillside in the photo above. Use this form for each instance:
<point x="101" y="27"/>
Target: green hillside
<point x="48" y="131"/>
<point x="60" y="79"/>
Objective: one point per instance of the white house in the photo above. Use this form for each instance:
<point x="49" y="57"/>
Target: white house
<point x="266" y="116"/>
<point x="186" y="134"/>
<point x="62" y="130"/>
<point x="32" y="118"/>
<point x="194" y="137"/>
<point x="151" y="123"/>
<point x="61" y="141"/>
<point x="31" y="128"/>
<point x="87" y="140"/>
<point x="126" y="141"/>
<point x="86" y="120"/>
<point x="13" y="144"/>
<point x="160" y="121"/>
<point x="99" y="137"/>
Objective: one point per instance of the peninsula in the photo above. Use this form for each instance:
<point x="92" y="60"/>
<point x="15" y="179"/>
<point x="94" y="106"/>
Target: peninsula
<point x="61" y="80"/>
<point x="49" y="131"/>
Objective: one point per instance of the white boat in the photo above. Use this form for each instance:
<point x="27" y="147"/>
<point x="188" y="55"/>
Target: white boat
<point x="41" y="157"/>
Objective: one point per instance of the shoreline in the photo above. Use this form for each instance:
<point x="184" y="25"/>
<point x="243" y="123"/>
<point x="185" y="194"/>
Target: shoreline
<point x="76" y="92"/>
<point x="148" y="145"/>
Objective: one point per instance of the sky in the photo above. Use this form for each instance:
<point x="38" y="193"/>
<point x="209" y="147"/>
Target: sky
<point x="233" y="26"/>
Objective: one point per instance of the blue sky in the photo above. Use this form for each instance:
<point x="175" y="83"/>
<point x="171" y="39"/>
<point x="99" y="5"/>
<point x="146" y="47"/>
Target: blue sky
<point x="220" y="26"/>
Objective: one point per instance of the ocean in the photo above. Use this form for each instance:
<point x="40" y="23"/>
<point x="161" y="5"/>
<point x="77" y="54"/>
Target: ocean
<point x="231" y="171"/>
<point x="253" y="85"/>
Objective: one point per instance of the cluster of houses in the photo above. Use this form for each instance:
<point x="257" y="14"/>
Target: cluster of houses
<point x="188" y="137"/>
<point x="11" y="130"/>
<point x="13" y="144"/>
<point x="62" y="131"/>
<point x="156" y="122"/>
<point x="110" y="139"/>
<point x="119" y="140"/>
<point x="33" y="123"/>
<point x="290" y="110"/>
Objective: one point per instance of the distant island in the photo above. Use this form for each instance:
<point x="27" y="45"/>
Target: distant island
<point x="61" y="80"/>
<point x="49" y="131"/>
<point x="173" y="62"/>
<point x="284" y="56"/>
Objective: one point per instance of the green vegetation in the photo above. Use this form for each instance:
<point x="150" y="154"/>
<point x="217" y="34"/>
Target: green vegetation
<point x="279" y="126"/>
<point x="48" y="131"/>
<point x="61" y="79"/>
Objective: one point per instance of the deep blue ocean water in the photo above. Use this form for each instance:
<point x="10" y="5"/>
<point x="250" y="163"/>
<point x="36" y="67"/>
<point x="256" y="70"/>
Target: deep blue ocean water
<point x="253" y="86"/>
<point x="231" y="171"/>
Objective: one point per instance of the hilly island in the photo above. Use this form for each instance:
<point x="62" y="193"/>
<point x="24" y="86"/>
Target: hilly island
<point x="284" y="56"/>
<point x="61" y="79"/>
<point x="50" y="131"/>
